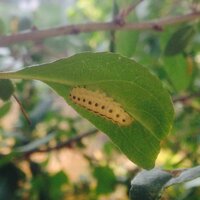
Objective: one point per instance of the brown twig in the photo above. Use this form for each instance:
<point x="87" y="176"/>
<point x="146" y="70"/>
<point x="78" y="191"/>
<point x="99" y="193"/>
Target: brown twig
<point x="91" y="27"/>
<point x="22" y="109"/>
<point x="185" y="98"/>
<point x="66" y="144"/>
<point x="120" y="18"/>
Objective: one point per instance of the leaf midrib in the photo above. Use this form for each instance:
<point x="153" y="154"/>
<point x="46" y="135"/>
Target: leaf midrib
<point x="72" y="83"/>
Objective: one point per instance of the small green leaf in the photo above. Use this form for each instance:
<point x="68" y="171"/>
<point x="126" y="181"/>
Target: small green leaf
<point x="4" y="109"/>
<point x="57" y="181"/>
<point x="126" y="41"/>
<point x="139" y="92"/>
<point x="10" y="176"/>
<point x="106" y="180"/>
<point x="6" y="89"/>
<point x="180" y="40"/>
<point x="178" y="72"/>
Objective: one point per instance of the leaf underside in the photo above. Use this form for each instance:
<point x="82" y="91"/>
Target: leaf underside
<point x="139" y="92"/>
<point x="150" y="184"/>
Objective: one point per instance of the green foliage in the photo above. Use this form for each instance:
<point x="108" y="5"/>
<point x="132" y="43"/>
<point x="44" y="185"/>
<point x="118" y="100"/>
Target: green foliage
<point x="39" y="182"/>
<point x="10" y="176"/>
<point x="178" y="71"/>
<point x="150" y="184"/>
<point x="106" y="180"/>
<point x="126" y="41"/>
<point x="180" y="40"/>
<point x="40" y="161"/>
<point x="140" y="93"/>
<point x="4" y="109"/>
<point x="57" y="181"/>
<point x="6" y="89"/>
<point x="48" y="187"/>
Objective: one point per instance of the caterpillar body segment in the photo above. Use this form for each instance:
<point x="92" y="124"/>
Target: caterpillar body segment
<point x="99" y="103"/>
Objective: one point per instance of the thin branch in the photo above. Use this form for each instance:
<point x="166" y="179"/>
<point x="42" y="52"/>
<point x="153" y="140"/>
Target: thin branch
<point x="22" y="109"/>
<point x="120" y="18"/>
<point x="91" y="27"/>
<point x="185" y="98"/>
<point x="65" y="144"/>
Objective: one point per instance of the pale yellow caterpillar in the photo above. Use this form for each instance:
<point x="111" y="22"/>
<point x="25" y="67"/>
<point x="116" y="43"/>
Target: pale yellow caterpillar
<point x="100" y="104"/>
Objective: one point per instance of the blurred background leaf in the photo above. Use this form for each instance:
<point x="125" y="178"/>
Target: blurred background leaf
<point x="4" y="109"/>
<point x="6" y="89"/>
<point x="178" y="72"/>
<point x="126" y="41"/>
<point x="106" y="180"/>
<point x="180" y="40"/>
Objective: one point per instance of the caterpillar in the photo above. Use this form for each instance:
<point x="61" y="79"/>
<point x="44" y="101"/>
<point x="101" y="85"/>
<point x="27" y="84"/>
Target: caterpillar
<point x="100" y="104"/>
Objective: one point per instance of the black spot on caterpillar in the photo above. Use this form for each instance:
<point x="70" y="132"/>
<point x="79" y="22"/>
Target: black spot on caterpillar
<point x="101" y="104"/>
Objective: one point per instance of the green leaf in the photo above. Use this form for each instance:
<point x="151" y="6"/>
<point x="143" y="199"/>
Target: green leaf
<point x="57" y="181"/>
<point x="178" y="71"/>
<point x="6" y="89"/>
<point x="139" y="92"/>
<point x="150" y="184"/>
<point x="10" y="176"/>
<point x="126" y="41"/>
<point x="106" y="180"/>
<point x="180" y="40"/>
<point x="4" y="109"/>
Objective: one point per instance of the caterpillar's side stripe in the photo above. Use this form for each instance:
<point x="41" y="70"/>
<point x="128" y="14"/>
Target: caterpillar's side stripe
<point x="101" y="104"/>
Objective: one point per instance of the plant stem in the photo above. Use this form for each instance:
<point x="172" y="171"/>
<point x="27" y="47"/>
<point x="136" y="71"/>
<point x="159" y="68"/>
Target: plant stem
<point x="156" y="24"/>
<point x="8" y="75"/>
